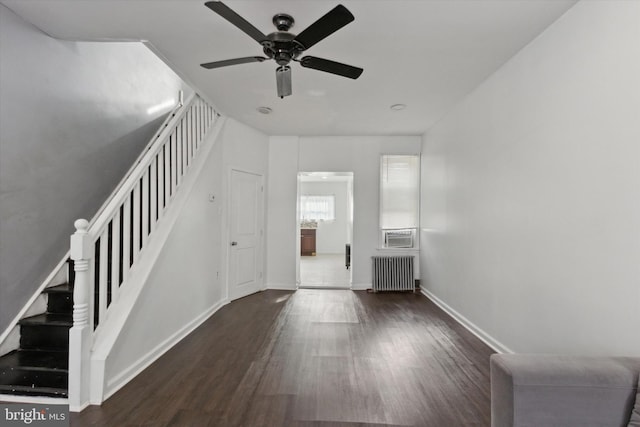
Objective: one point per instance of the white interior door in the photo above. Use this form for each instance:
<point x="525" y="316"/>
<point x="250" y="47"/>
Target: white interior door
<point x="245" y="236"/>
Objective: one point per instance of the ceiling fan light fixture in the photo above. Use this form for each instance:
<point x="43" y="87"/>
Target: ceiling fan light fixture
<point x="283" y="81"/>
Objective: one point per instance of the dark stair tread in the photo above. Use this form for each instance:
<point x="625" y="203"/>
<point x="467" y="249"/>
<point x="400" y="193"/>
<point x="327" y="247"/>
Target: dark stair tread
<point x="63" y="288"/>
<point x="49" y="319"/>
<point x="33" y="391"/>
<point x="36" y="360"/>
<point x="34" y="378"/>
<point x="41" y="366"/>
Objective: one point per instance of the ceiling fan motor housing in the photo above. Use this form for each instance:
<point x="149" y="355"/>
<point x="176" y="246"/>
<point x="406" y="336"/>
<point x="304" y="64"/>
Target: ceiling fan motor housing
<point x="283" y="22"/>
<point x="280" y="46"/>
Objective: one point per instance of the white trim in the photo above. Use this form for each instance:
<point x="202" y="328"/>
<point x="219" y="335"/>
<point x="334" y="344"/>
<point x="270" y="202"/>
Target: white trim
<point x="145" y="361"/>
<point x="467" y="324"/>
<point x="73" y="408"/>
<point x="99" y="222"/>
<point x="49" y="279"/>
<point x="108" y="331"/>
<point x="39" y="400"/>
<point x="96" y="386"/>
<point x="332" y="287"/>
<point x="262" y="220"/>
<point x="350" y="175"/>
<point x="361" y="286"/>
<point x="394" y="251"/>
<point x="282" y="286"/>
<point x="11" y="342"/>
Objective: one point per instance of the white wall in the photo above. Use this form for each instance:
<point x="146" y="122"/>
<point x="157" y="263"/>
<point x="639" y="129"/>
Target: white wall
<point x="73" y="118"/>
<point x="360" y="155"/>
<point x="282" y="216"/>
<point x="331" y="236"/>
<point x="189" y="277"/>
<point x="531" y="192"/>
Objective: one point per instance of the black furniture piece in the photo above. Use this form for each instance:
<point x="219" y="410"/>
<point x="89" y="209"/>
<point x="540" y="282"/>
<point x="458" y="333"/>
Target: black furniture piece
<point x="347" y="256"/>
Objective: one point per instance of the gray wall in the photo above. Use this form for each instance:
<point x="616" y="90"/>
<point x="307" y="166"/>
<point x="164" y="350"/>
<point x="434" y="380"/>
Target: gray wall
<point x="73" y="118"/>
<point x="531" y="192"/>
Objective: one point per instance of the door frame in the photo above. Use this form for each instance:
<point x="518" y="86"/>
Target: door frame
<point x="351" y="220"/>
<point x="227" y="234"/>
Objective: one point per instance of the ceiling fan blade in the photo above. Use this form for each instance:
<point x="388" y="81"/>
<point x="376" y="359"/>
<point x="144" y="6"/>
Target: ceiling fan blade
<point x="246" y="60"/>
<point x="237" y="20"/>
<point x="335" y="19"/>
<point x="331" y="67"/>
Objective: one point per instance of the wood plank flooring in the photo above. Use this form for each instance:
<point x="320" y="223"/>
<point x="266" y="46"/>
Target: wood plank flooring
<point x="312" y="358"/>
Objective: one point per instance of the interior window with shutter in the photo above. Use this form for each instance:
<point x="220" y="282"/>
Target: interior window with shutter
<point x="399" y="200"/>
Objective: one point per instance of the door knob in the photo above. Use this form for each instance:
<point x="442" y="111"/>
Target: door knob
<point x="234" y="243"/>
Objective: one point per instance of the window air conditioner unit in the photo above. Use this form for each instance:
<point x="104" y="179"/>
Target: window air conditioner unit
<point x="398" y="239"/>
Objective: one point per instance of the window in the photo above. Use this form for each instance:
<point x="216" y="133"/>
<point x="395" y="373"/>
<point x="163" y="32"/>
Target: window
<point x="317" y="208"/>
<point x="399" y="200"/>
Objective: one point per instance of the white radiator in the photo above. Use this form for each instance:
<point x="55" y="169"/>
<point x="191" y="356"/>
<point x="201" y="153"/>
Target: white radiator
<point x="393" y="273"/>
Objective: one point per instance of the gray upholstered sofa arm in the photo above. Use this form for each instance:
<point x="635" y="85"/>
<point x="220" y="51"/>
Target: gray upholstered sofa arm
<point x="554" y="390"/>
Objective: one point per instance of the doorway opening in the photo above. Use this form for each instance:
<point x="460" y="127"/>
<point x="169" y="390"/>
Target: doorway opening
<point x="325" y="229"/>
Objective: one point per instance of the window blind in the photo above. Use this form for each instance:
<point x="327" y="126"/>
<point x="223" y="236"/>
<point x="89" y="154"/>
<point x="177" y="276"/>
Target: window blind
<point x="399" y="191"/>
<point x="318" y="208"/>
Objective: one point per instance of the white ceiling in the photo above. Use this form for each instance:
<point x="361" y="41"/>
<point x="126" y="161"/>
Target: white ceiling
<point x="427" y="54"/>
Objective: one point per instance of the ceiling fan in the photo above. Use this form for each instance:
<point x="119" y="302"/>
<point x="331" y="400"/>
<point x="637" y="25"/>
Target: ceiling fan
<point x="284" y="47"/>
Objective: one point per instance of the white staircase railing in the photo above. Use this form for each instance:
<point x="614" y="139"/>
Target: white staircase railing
<point x="105" y="251"/>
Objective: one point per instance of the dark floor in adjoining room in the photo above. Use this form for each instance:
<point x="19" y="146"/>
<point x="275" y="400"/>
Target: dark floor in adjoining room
<point x="321" y="358"/>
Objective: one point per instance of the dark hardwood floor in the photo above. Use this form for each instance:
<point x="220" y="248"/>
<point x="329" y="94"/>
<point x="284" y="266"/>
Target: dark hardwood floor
<point x="312" y="358"/>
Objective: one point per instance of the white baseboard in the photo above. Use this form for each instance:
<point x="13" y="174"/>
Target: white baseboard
<point x="80" y="408"/>
<point x="145" y="361"/>
<point x="334" y="287"/>
<point x="38" y="400"/>
<point x="282" y="286"/>
<point x="360" y="286"/>
<point x="482" y="335"/>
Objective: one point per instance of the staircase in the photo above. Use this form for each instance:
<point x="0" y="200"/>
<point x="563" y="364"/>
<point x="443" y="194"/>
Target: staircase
<point x="40" y="367"/>
<point x="64" y="349"/>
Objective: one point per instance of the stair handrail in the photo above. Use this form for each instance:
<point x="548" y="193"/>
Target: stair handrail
<point x="106" y="250"/>
<point x="152" y="147"/>
<point x="155" y="164"/>
<point x="169" y="119"/>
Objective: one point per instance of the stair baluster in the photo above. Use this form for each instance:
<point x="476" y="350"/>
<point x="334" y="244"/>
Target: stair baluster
<point x="80" y="334"/>
<point x="107" y="250"/>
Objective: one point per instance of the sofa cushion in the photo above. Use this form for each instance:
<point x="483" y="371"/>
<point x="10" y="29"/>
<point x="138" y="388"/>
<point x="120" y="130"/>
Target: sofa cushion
<point x="635" y="414"/>
<point x="556" y="390"/>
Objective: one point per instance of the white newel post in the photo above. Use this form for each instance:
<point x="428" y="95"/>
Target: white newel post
<point x="80" y="335"/>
